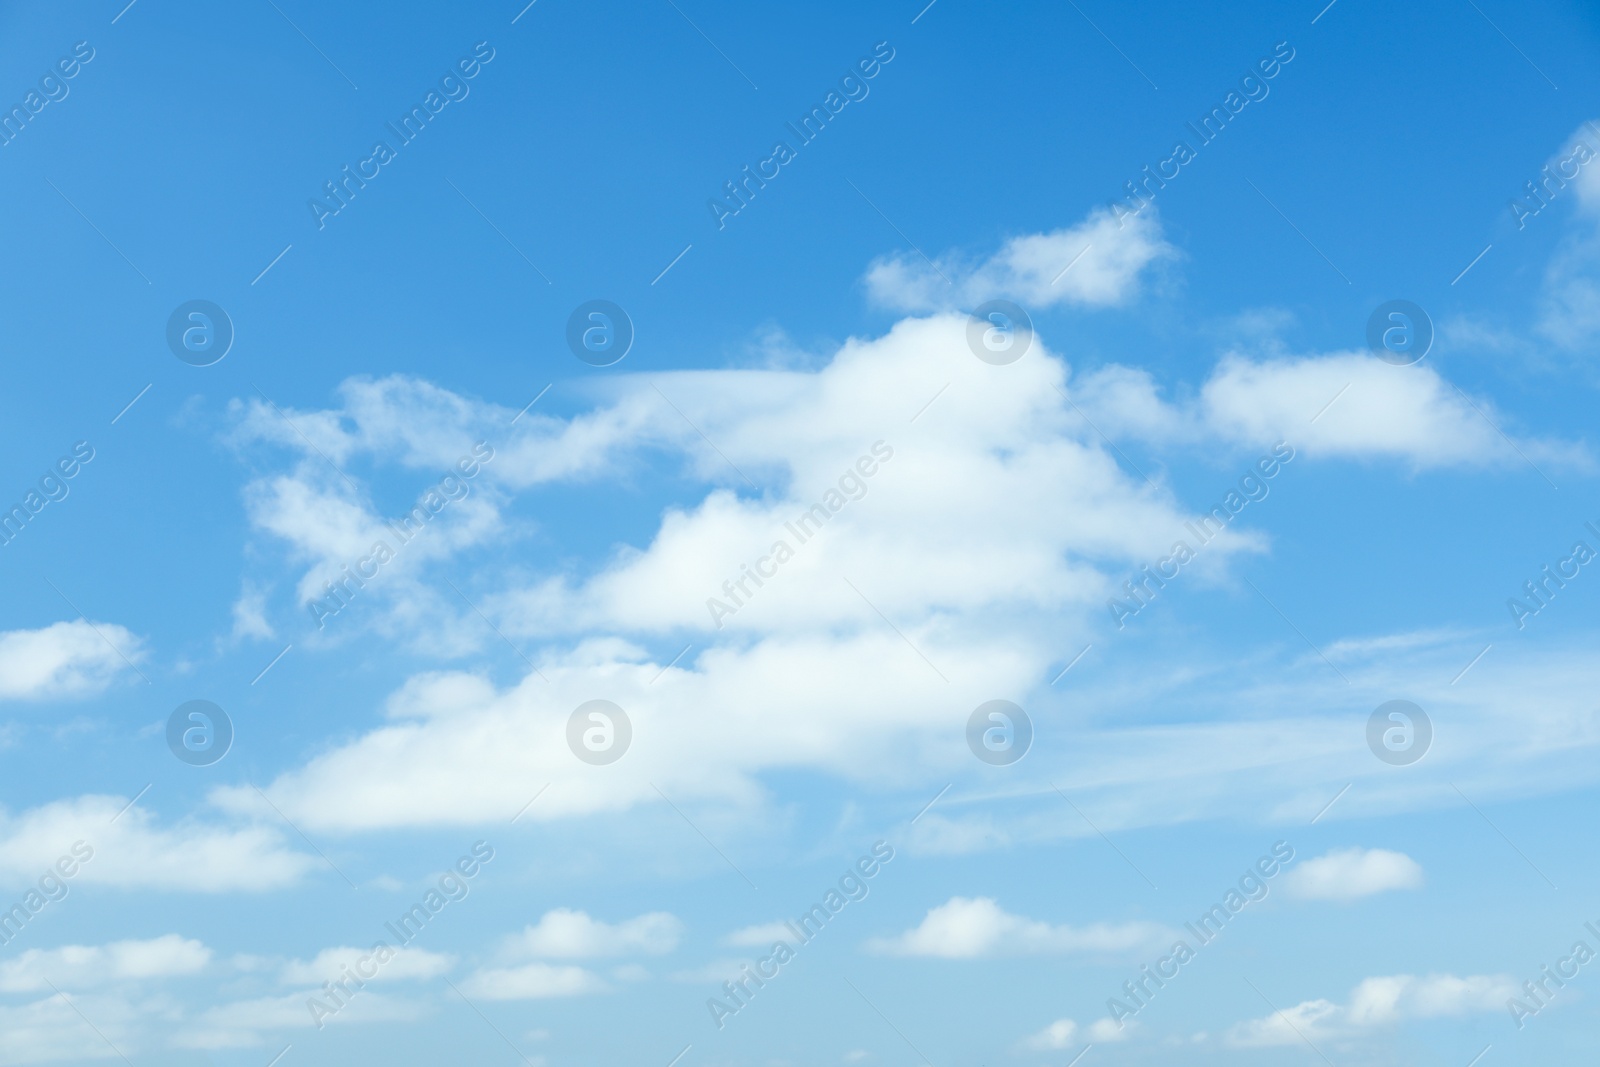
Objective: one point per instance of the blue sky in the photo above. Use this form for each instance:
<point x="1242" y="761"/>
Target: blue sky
<point x="581" y="531"/>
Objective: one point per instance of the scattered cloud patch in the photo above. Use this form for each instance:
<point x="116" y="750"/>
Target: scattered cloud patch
<point x="761" y="935"/>
<point x="85" y="966"/>
<point x="246" y="1023"/>
<point x="332" y="964"/>
<point x="972" y="927"/>
<point x="563" y="933"/>
<point x="1352" y="873"/>
<point x="533" y="981"/>
<point x="1342" y="405"/>
<point x="1375" y="1003"/>
<point x="132" y="850"/>
<point x="1065" y="1034"/>
<point x="65" y="659"/>
<point x="1096" y="263"/>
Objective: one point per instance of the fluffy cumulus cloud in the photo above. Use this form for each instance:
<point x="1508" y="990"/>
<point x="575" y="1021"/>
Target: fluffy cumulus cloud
<point x="107" y="845"/>
<point x="533" y="981"/>
<point x="886" y="491"/>
<point x="50" y="1029"/>
<point x="1065" y="1034"/>
<point x="1342" y="405"/>
<point x="122" y="986"/>
<point x="65" y="659"/>
<point x="716" y="971"/>
<point x="761" y="935"/>
<point x="807" y="438"/>
<point x="84" y="966"/>
<point x="332" y="964"/>
<point x="970" y="927"/>
<point x="1375" y="1003"/>
<point x="1351" y="873"/>
<point x="797" y="569"/>
<point x="253" y="1021"/>
<point x="248" y="1023"/>
<point x="799" y="574"/>
<point x="564" y="933"/>
<point x="1097" y="263"/>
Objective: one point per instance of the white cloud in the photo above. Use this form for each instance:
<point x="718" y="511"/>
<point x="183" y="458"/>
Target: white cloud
<point x="1412" y="413"/>
<point x="1096" y="263"/>
<point x="1377" y="1002"/>
<point x="1351" y="873"/>
<point x="332" y="535"/>
<point x="249" y="615"/>
<point x="238" y="1024"/>
<point x="487" y="741"/>
<point x="245" y="1023"/>
<point x="712" y="971"/>
<point x="761" y="935"/>
<point x="1311" y="1018"/>
<point x="83" y="966"/>
<point x="1267" y="738"/>
<point x="330" y="965"/>
<point x="457" y="750"/>
<point x="1065" y="1033"/>
<point x="422" y="426"/>
<point x="50" y="1029"/>
<point x="999" y="438"/>
<point x="1062" y="1033"/>
<point x="1341" y="405"/>
<point x="1105" y="1031"/>
<point x="967" y="928"/>
<point x="329" y="525"/>
<point x="562" y="933"/>
<point x="1587" y="182"/>
<point x="1569" y="314"/>
<point x="1063" y="523"/>
<point x="64" y="659"/>
<point x="135" y="851"/>
<point x="533" y="981"/>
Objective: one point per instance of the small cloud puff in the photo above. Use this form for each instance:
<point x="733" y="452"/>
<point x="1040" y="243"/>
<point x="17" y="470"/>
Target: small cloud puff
<point x="65" y="659"/>
<point x="967" y="928"/>
<point x="1352" y="873"/>
<point x="1065" y="1033"/>
<point x="1096" y="263"/>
